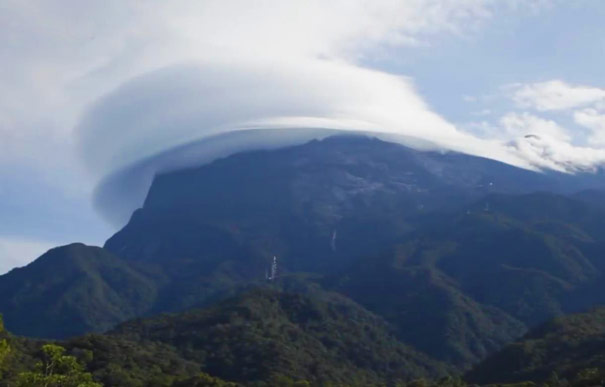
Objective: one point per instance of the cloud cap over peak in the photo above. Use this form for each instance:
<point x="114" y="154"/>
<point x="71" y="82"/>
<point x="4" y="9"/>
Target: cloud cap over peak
<point x="184" y="103"/>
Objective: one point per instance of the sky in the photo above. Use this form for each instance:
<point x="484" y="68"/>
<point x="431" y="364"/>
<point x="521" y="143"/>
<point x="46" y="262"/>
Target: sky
<point x="98" y="95"/>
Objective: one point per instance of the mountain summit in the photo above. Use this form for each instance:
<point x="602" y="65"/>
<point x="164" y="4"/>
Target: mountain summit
<point x="459" y="255"/>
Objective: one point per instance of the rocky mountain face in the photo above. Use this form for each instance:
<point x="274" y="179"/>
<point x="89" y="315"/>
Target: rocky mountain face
<point x="458" y="255"/>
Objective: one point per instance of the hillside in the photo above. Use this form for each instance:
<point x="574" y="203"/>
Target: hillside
<point x="319" y="207"/>
<point x="465" y="282"/>
<point x="263" y="335"/>
<point x="572" y="347"/>
<point x="71" y="290"/>
<point x="459" y="255"/>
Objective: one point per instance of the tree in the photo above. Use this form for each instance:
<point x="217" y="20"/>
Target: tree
<point x="4" y="348"/>
<point x="56" y="370"/>
<point x="203" y="380"/>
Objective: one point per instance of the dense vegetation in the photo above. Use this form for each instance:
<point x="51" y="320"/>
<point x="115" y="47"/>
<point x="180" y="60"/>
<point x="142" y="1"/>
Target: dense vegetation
<point x="71" y="290"/>
<point x="261" y="337"/>
<point x="412" y="260"/>
<point x="468" y="281"/>
<point x="570" y="347"/>
<point x="264" y="333"/>
<point x="172" y="350"/>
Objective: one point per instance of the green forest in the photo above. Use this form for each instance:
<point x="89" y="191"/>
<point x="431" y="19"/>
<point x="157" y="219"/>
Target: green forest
<point x="209" y="347"/>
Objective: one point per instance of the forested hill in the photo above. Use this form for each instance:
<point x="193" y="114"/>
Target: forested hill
<point x="266" y="337"/>
<point x="71" y="290"/>
<point x="570" y="347"/>
<point x="261" y="336"/>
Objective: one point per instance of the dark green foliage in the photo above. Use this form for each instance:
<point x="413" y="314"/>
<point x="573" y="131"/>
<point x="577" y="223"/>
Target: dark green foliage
<point x="466" y="282"/>
<point x="124" y="363"/>
<point x="202" y="380"/>
<point x="571" y="347"/>
<point x="71" y="290"/>
<point x="56" y="369"/>
<point x="263" y="337"/>
<point x="264" y="334"/>
<point x="5" y="349"/>
<point x="270" y="338"/>
<point x="428" y="310"/>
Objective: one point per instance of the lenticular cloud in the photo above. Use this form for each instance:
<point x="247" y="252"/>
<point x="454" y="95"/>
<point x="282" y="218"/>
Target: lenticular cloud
<point x="191" y="114"/>
<point x="177" y="105"/>
<point x="194" y="113"/>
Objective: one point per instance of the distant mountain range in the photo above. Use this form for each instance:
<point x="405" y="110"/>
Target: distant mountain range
<point x="448" y="257"/>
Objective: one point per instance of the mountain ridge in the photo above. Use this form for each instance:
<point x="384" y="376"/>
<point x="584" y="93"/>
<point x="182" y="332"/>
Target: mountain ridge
<point x="460" y="255"/>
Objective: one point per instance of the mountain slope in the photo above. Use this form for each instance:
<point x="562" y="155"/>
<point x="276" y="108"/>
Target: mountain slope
<point x="457" y="253"/>
<point x="261" y="337"/>
<point x="265" y="333"/>
<point x="427" y="309"/>
<point x="318" y="207"/>
<point x="565" y="346"/>
<point x="466" y="282"/>
<point x="302" y="195"/>
<point x="70" y="290"/>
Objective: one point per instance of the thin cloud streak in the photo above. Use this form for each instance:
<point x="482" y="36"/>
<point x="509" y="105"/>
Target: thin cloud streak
<point x="554" y="95"/>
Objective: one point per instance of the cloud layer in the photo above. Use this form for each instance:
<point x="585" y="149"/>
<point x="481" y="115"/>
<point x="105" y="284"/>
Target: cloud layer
<point x="300" y="69"/>
<point x="173" y="107"/>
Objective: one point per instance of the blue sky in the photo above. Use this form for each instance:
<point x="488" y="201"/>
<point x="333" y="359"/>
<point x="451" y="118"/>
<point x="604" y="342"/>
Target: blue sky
<point x="91" y="89"/>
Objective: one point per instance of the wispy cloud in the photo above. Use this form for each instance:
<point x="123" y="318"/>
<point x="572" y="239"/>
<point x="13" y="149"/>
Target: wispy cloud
<point x="546" y="152"/>
<point x="553" y="95"/>
<point x="514" y="125"/>
<point x="542" y="143"/>
<point x="593" y="120"/>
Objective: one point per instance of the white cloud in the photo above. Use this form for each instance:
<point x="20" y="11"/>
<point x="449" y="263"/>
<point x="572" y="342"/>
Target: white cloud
<point x="542" y="143"/>
<point x="593" y="120"/>
<point x="521" y="124"/>
<point x="545" y="152"/>
<point x="58" y="58"/>
<point x="186" y="104"/>
<point x="181" y="104"/>
<point x="514" y="125"/>
<point x="554" y="95"/>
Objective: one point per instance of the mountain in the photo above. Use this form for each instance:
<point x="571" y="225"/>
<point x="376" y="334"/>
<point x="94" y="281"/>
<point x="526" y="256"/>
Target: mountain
<point x="465" y="282"/>
<point x="263" y="333"/>
<point x="458" y="255"/>
<point x="318" y="207"/>
<point x="260" y="337"/>
<point x="71" y="290"/>
<point x="571" y="347"/>
<point x="592" y="196"/>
